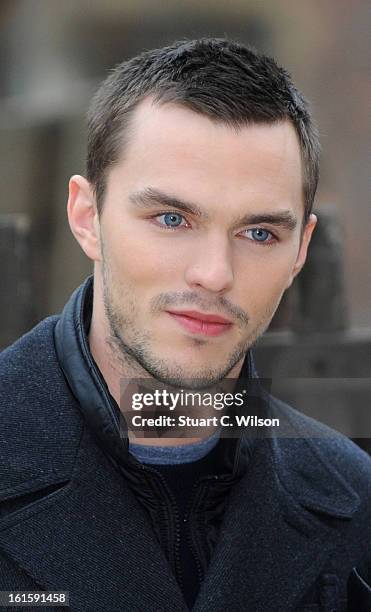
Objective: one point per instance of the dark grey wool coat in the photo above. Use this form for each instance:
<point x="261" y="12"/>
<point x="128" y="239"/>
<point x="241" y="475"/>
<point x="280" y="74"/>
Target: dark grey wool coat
<point x="295" y="526"/>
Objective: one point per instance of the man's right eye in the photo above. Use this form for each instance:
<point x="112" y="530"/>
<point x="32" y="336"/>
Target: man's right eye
<point x="171" y="220"/>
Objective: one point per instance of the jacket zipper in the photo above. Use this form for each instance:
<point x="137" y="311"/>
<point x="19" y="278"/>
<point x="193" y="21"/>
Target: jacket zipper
<point x="192" y="503"/>
<point x="176" y="519"/>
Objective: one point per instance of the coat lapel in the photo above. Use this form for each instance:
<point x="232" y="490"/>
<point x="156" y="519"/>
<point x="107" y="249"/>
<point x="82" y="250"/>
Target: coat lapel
<point x="276" y="534"/>
<point x="92" y="538"/>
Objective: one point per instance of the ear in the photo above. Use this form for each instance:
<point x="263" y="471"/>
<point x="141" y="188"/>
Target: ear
<point x="83" y="216"/>
<point x="302" y="255"/>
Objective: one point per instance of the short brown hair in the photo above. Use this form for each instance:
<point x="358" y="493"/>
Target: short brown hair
<point x="221" y="79"/>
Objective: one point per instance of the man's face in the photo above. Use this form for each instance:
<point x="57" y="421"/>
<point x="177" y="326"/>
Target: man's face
<point x="232" y="256"/>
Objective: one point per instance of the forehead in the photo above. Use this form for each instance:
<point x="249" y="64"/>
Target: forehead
<point x="179" y="151"/>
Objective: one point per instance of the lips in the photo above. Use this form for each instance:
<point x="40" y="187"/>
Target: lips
<point x="194" y="314"/>
<point x="200" y="323"/>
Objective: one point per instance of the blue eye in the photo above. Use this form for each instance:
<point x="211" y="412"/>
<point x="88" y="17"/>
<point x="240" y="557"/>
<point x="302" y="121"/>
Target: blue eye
<point x="259" y="234"/>
<point x="171" y="219"/>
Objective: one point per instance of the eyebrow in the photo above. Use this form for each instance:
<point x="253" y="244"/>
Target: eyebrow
<point x="150" y="197"/>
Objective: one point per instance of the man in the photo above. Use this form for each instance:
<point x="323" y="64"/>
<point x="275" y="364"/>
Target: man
<point x="196" y="211"/>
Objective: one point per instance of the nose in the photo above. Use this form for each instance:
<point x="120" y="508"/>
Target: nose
<point x="211" y="265"/>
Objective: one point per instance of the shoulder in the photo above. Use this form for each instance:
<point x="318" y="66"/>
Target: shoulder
<point x="34" y="348"/>
<point x="40" y="425"/>
<point x="30" y="372"/>
<point x="313" y="445"/>
<point x="40" y="336"/>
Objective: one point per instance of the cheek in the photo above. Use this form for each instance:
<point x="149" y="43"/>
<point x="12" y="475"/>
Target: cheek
<point x="265" y="280"/>
<point x="140" y="262"/>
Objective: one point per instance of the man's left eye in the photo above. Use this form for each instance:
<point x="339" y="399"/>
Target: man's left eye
<point x="258" y="234"/>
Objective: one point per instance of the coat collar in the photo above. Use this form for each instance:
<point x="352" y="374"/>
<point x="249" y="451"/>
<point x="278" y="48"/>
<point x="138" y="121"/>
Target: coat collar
<point x="83" y="376"/>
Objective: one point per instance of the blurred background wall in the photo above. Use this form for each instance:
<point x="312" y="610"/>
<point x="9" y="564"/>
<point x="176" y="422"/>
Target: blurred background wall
<point x="52" y="57"/>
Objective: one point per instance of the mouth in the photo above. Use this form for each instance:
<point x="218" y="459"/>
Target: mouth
<point x="200" y="323"/>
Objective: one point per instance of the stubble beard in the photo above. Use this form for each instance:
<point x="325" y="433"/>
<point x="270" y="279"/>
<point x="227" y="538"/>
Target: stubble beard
<point x="134" y="356"/>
